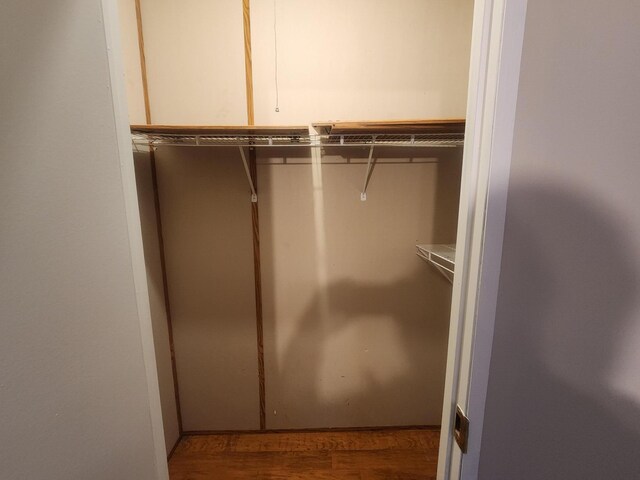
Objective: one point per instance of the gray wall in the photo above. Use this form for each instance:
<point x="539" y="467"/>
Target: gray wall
<point x="564" y="387"/>
<point x="74" y="401"/>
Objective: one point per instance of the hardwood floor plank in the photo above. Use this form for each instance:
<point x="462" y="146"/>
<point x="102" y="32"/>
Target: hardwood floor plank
<point x="311" y="475"/>
<point x="258" y="461"/>
<point x="311" y="441"/>
<point x="391" y="475"/>
<point x="394" y="460"/>
<point x="348" y="455"/>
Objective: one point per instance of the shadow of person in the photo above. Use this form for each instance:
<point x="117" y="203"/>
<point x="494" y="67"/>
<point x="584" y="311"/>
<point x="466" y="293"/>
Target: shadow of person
<point x="368" y="354"/>
<point x="567" y="299"/>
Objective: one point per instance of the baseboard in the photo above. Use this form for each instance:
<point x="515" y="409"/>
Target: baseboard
<point x="174" y="448"/>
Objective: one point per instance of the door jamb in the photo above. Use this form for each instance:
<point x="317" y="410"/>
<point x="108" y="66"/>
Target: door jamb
<point x="498" y="30"/>
<point x="496" y="49"/>
<point x="121" y="117"/>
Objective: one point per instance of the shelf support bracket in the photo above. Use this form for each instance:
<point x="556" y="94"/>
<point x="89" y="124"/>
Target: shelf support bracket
<point x="370" y="165"/>
<point x="254" y="195"/>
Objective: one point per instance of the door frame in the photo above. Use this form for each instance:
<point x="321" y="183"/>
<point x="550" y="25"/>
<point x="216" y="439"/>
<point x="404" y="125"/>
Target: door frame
<point x="496" y="49"/>
<point x="111" y="23"/>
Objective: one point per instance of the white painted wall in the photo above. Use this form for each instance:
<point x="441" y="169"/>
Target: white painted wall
<point x="131" y="59"/>
<point x="75" y="398"/>
<point x="195" y="61"/>
<point x="564" y="390"/>
<point x="360" y="59"/>
<point x="337" y="60"/>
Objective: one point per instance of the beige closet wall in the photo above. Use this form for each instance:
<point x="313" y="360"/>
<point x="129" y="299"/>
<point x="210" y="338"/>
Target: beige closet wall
<point x="337" y="60"/>
<point x="131" y="58"/>
<point x="355" y="330"/>
<point x="360" y="59"/>
<point x="148" y="219"/>
<point x="195" y="61"/>
<point x="205" y="208"/>
<point x="355" y="323"/>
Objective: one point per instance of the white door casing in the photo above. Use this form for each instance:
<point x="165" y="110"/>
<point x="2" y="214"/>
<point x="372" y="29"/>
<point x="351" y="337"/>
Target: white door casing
<point x="498" y="31"/>
<point x="121" y="115"/>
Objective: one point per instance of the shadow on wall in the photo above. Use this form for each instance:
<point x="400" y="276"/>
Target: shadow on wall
<point x="567" y="299"/>
<point x="355" y="332"/>
<point x="391" y="362"/>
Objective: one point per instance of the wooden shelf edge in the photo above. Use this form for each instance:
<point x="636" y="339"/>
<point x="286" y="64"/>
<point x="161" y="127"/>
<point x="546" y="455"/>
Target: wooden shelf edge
<point x="447" y="125"/>
<point x="219" y="130"/>
<point x="444" y="126"/>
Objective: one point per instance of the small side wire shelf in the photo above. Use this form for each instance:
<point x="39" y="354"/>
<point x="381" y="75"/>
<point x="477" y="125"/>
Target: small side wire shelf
<point x="442" y="257"/>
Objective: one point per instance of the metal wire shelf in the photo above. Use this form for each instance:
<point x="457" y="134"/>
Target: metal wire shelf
<point x="441" y="134"/>
<point x="178" y="140"/>
<point x="394" y="139"/>
<point x="430" y="140"/>
<point x="443" y="257"/>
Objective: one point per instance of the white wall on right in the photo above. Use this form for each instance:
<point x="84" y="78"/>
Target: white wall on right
<point x="564" y="389"/>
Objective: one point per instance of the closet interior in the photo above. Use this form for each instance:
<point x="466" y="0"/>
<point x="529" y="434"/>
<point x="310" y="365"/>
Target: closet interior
<point x="298" y="171"/>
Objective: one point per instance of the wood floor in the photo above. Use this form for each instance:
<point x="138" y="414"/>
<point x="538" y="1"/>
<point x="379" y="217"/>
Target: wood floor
<point x="351" y="455"/>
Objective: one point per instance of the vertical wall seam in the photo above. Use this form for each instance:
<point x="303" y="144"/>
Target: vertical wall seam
<point x="255" y="221"/>
<point x="143" y="64"/>
<point x="248" y="62"/>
